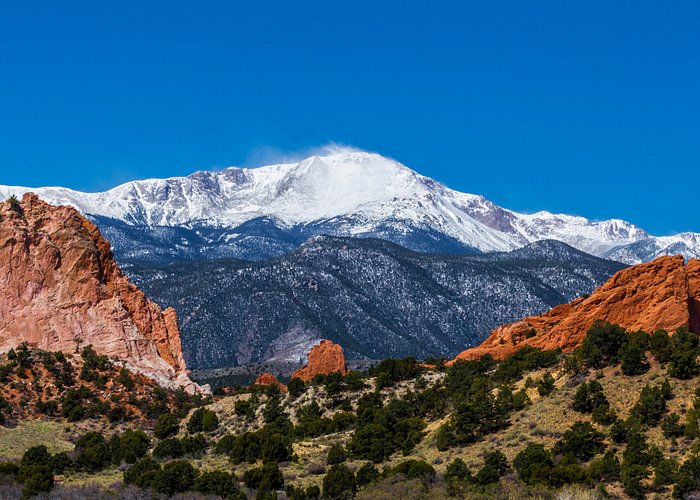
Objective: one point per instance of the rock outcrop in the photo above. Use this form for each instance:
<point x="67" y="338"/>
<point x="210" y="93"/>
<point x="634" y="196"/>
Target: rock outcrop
<point x="267" y="379"/>
<point x="61" y="289"/>
<point x="324" y="358"/>
<point x="661" y="294"/>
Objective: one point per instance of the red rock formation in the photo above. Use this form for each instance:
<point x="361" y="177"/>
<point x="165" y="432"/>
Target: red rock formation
<point x="663" y="293"/>
<point x="270" y="379"/>
<point x="324" y="358"/>
<point x="60" y="289"/>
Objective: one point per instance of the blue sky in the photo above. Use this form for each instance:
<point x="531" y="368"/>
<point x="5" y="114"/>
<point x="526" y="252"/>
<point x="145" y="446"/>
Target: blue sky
<point x="589" y="108"/>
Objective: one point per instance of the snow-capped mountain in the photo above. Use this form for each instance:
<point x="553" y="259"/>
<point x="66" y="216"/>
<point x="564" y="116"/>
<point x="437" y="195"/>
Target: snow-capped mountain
<point x="260" y="212"/>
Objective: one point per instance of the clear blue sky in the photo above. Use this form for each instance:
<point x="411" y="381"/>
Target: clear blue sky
<point x="590" y="108"/>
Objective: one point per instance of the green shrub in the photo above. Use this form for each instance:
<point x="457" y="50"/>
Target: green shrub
<point x="495" y="466"/>
<point x="670" y="426"/>
<point x="416" y="469"/>
<point x="175" y="477"/>
<point x="311" y="492"/>
<point x="604" y="415"/>
<point x="634" y="360"/>
<point x="533" y="464"/>
<point x="589" y="396"/>
<point x="265" y="478"/>
<point x="167" y="425"/>
<point x="339" y="482"/>
<point x="664" y="473"/>
<point x="93" y="454"/>
<point x="336" y="455"/>
<point x="210" y="422"/>
<point x="687" y="478"/>
<point x="168" y="448"/>
<point x="606" y="468"/>
<point x="36" y="455"/>
<point x="390" y="371"/>
<point x="36" y="479"/>
<point x="472" y="420"/>
<point x="60" y="462"/>
<point x="202" y="420"/>
<point x="581" y="441"/>
<point x="218" y="483"/>
<point x="8" y="469"/>
<point x="660" y="346"/>
<point x="14" y="203"/>
<point x="276" y="448"/>
<point x="527" y="358"/>
<point x="650" y="406"/>
<point x="296" y="387"/>
<point x="684" y="352"/>
<point x="545" y="386"/>
<point x="225" y="444"/>
<point x="124" y="378"/>
<point x="457" y="470"/>
<point x="619" y="431"/>
<point x="194" y="446"/>
<point x="273" y="408"/>
<point x="142" y="474"/>
<point x="636" y="459"/>
<point x="367" y="474"/>
<point x="129" y="446"/>
<point x="602" y="344"/>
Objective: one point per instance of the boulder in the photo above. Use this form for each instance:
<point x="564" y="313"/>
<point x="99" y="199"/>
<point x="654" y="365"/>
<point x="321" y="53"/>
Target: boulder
<point x="268" y="379"/>
<point x="323" y="359"/>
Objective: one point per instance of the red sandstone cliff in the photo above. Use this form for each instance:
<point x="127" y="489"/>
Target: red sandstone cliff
<point x="60" y="289"/>
<point x="325" y="358"/>
<point x="663" y="293"/>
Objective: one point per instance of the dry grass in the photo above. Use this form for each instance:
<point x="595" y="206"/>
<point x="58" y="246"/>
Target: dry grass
<point x="16" y="440"/>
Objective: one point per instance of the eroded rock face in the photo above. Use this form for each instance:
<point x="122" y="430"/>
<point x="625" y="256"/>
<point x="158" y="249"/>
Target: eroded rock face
<point x="663" y="293"/>
<point x="60" y="289"/>
<point x="269" y="379"/>
<point x="325" y="358"/>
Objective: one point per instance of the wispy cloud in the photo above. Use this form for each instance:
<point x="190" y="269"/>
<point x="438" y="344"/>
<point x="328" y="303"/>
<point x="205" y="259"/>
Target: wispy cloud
<point x="269" y="155"/>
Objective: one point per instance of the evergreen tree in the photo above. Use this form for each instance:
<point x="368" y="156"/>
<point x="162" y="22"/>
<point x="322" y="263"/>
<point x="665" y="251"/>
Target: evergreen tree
<point x="634" y="361"/>
<point x="336" y="455"/>
<point x="660" y="346"/>
<point x="545" y="386"/>
<point x="582" y="441"/>
<point x="339" y="482"/>
<point x="683" y="360"/>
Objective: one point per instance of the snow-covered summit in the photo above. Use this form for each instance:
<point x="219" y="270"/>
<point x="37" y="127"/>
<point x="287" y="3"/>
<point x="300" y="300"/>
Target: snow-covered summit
<point x="354" y="193"/>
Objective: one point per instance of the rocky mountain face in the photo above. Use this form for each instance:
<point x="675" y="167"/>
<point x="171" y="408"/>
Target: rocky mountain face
<point x="267" y="211"/>
<point x="60" y="289"/>
<point x="323" y="359"/>
<point x="374" y="298"/>
<point x="662" y="294"/>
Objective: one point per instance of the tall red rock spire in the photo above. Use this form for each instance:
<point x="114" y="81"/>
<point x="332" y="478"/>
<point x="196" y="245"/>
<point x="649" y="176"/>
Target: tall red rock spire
<point x="324" y="358"/>
<point x="61" y="289"/>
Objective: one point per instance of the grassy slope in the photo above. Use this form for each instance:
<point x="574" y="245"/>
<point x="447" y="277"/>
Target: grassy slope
<point x="544" y="421"/>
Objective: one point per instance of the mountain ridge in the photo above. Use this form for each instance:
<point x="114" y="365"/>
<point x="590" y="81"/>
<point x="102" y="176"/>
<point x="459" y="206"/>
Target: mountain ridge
<point x="375" y="298"/>
<point x="344" y="193"/>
